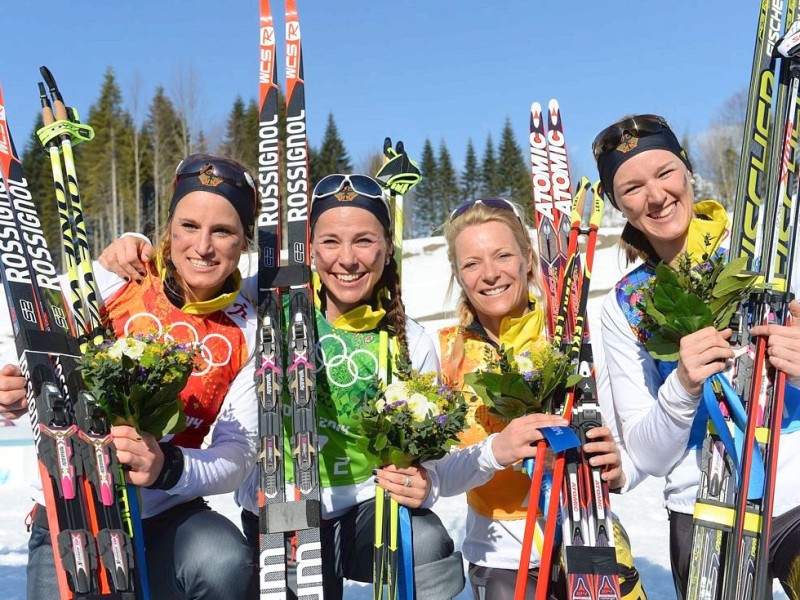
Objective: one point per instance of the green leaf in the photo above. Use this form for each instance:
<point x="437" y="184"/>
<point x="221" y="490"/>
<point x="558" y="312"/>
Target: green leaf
<point x="661" y="348"/>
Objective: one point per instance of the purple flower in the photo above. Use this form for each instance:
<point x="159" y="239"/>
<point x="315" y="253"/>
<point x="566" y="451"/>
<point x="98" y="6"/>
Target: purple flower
<point x="441" y="419"/>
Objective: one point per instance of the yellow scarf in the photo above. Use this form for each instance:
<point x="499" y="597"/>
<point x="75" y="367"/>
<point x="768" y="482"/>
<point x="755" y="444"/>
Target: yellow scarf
<point x="207" y="306"/>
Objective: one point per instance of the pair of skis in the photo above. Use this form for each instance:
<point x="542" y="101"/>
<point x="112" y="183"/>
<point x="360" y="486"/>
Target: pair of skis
<point x="579" y="501"/>
<point x="295" y="371"/>
<point x="92" y="516"/>
<point x="733" y="512"/>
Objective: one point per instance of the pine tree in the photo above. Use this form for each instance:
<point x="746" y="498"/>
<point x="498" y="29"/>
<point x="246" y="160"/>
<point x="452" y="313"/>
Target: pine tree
<point x="105" y="167"/>
<point x="489" y="169"/>
<point x="447" y="196"/>
<point x="512" y="171"/>
<point x="332" y="156"/>
<point x="470" y="176"/>
<point x="236" y="132"/>
<point x="163" y="139"/>
<point x="424" y="211"/>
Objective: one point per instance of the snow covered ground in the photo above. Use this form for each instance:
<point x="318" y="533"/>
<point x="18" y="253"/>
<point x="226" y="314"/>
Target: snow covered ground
<point x="426" y="273"/>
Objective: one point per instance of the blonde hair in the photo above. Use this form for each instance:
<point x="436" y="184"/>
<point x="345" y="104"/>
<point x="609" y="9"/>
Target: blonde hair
<point x="478" y="214"/>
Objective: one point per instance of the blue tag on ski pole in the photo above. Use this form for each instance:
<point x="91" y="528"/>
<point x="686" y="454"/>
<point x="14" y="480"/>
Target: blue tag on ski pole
<point x="560" y="438"/>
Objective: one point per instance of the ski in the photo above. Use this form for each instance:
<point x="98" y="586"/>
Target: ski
<point x="551" y="255"/>
<point x="273" y="577"/>
<point x="561" y="193"/>
<point x="733" y="512"/>
<point x="114" y="506"/>
<point x="300" y="329"/>
<point x="90" y="525"/>
<point x="588" y="534"/>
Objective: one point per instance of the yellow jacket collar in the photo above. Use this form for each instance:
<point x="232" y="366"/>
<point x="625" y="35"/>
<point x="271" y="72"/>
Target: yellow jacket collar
<point x="207" y="306"/>
<point x="706" y="230"/>
<point x="360" y="319"/>
<point x="522" y="333"/>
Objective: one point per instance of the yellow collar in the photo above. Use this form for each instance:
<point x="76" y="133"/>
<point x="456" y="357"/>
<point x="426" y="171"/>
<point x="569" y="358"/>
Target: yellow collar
<point x="207" y="306"/>
<point x="522" y="333"/>
<point x="362" y="318"/>
<point x="709" y="224"/>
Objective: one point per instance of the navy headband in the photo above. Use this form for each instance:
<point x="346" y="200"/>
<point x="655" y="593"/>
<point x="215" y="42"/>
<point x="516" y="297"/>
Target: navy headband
<point x="609" y="162"/>
<point x="361" y="191"/>
<point x="205" y="173"/>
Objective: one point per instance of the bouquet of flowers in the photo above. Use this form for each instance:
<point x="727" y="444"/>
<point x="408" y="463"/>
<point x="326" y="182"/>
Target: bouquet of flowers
<point x="513" y="385"/>
<point x="677" y="302"/>
<point x="136" y="381"/>
<point x="412" y="419"/>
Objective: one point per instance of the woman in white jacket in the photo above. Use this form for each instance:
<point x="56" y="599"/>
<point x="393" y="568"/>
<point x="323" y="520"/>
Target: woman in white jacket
<point x="647" y="176"/>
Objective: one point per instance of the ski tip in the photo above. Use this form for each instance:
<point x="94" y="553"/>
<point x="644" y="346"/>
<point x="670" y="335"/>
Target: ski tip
<point x="536" y="115"/>
<point x="554" y="111"/>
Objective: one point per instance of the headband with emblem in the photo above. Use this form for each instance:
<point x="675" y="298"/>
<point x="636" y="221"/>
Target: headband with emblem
<point x="227" y="178"/>
<point x="631" y="144"/>
<point x="347" y="196"/>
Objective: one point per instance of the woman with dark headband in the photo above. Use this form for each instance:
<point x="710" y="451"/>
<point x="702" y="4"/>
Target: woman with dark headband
<point x="648" y="177"/>
<point x="191" y="289"/>
<point x="492" y="259"/>
<point x="359" y="296"/>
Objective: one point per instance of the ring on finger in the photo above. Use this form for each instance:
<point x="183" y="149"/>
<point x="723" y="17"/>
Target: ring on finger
<point x="407" y="482"/>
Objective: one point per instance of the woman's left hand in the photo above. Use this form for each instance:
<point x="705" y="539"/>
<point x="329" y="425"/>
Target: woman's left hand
<point x="783" y="342"/>
<point x="604" y="453"/>
<point x="409" y="486"/>
<point x="140" y="452"/>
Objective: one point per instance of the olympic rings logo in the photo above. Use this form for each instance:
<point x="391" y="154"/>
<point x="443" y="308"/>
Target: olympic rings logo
<point x="334" y="358"/>
<point x="213" y="353"/>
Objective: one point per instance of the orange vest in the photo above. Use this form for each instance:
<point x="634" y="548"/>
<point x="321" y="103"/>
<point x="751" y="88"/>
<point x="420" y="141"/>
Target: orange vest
<point x="504" y="496"/>
<point x="146" y="309"/>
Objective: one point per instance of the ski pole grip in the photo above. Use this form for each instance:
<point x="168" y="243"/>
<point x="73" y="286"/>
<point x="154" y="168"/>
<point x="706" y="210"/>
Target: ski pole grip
<point x="58" y="101"/>
<point x="47" y="112"/>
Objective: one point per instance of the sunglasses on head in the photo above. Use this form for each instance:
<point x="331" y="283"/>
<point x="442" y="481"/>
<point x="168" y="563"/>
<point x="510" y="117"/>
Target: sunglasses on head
<point x="342" y="186"/>
<point x="500" y="203"/>
<point x="212" y="171"/>
<point x="639" y="126"/>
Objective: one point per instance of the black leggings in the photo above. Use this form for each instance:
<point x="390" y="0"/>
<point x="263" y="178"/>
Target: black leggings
<point x="784" y="551"/>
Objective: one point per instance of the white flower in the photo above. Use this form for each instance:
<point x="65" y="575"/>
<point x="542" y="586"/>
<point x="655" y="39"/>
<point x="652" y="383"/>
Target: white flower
<point x="395" y="392"/>
<point x="134" y="349"/>
<point x="524" y="363"/>
<point x="118" y="348"/>
<point x="380" y="404"/>
<point x="421" y="407"/>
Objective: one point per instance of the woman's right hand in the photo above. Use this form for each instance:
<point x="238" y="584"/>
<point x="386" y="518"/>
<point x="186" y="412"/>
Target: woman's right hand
<point x="127" y="257"/>
<point x="702" y="354"/>
<point x="13" y="402"/>
<point x="517" y="440"/>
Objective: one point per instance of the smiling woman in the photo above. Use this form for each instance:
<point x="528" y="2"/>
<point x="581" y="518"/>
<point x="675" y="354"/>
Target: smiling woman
<point x="190" y="293"/>
<point x="647" y="175"/>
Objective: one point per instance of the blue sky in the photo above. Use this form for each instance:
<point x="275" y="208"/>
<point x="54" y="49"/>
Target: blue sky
<point x="449" y="70"/>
